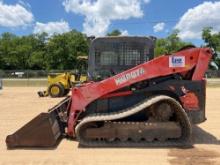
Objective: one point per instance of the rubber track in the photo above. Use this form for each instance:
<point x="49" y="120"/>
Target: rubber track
<point x="184" y="121"/>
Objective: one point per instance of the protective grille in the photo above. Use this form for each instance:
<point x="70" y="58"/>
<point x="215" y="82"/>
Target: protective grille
<point x="129" y="54"/>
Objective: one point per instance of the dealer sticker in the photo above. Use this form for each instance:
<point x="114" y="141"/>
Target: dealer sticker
<point x="177" y="61"/>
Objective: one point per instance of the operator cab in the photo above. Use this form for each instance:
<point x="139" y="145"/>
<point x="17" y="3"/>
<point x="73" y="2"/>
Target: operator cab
<point x="112" y="55"/>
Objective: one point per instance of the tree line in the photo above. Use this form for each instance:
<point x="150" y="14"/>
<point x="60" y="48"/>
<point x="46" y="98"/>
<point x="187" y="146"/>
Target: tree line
<point x="60" y="51"/>
<point x="39" y="51"/>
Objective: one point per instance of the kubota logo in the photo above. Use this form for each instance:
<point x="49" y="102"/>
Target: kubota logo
<point x="129" y="76"/>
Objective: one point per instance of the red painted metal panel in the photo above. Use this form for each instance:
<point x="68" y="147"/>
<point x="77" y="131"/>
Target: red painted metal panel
<point x="190" y="101"/>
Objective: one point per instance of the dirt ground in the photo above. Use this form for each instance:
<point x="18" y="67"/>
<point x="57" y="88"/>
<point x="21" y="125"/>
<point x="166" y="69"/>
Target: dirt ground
<point x="19" y="105"/>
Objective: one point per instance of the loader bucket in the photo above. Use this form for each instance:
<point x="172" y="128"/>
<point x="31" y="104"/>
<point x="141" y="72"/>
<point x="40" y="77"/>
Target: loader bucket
<point x="42" y="131"/>
<point x="45" y="130"/>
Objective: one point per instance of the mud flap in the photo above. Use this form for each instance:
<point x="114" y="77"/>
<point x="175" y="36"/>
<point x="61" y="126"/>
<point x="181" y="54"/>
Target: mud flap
<point x="42" y="131"/>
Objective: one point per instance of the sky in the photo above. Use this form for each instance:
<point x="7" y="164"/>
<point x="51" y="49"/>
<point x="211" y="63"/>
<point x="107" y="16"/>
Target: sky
<point x="97" y="17"/>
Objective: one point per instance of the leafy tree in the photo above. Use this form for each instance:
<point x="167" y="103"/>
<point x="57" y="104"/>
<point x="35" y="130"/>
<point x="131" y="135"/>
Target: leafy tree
<point x="38" y="56"/>
<point x="7" y="43"/>
<point x="63" y="49"/>
<point x="115" y="32"/>
<point x="170" y="44"/>
<point x="26" y="52"/>
<point x="213" y="41"/>
<point x="40" y="52"/>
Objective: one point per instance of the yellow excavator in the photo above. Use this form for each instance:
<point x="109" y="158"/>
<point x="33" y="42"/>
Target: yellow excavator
<point x="59" y="84"/>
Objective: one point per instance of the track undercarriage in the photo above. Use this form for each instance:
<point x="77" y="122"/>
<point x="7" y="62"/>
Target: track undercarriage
<point x="171" y="127"/>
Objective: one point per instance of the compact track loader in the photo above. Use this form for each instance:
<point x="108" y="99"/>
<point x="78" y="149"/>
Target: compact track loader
<point x="154" y="103"/>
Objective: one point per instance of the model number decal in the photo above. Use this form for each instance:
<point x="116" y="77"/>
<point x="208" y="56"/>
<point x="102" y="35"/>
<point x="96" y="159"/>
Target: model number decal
<point x="129" y="76"/>
<point x="177" y="61"/>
